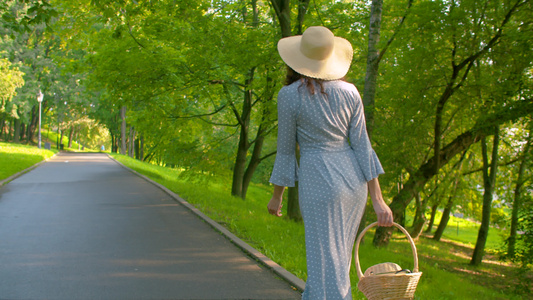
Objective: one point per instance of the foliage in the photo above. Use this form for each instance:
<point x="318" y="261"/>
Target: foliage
<point x="46" y="66"/>
<point x="10" y="80"/>
<point x="38" y="12"/>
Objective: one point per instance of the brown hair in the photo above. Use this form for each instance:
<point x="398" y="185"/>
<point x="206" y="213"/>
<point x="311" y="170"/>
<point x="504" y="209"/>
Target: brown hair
<point x="293" y="76"/>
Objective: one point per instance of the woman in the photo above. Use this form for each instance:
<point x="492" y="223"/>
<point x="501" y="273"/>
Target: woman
<point x="338" y="166"/>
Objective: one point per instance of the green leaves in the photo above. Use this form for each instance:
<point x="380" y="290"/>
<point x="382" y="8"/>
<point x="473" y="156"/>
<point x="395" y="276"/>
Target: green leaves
<point x="11" y="78"/>
<point x="35" y="12"/>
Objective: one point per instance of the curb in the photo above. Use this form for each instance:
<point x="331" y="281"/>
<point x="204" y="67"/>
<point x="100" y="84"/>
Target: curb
<point x="296" y="282"/>
<point x="16" y="175"/>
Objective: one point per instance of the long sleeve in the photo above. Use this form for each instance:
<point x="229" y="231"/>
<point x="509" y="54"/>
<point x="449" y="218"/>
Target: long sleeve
<point x="285" y="171"/>
<point x="365" y="154"/>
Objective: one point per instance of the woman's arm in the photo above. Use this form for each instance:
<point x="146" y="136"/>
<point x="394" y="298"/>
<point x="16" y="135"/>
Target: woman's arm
<point x="383" y="212"/>
<point x="274" y="206"/>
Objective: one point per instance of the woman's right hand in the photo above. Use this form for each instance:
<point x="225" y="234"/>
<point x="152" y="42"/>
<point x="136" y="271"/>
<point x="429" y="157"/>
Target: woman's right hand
<point x="383" y="211"/>
<point x="274" y="206"/>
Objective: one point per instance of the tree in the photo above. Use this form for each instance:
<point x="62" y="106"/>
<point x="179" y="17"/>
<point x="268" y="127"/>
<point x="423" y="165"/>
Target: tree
<point x="456" y="178"/>
<point x="489" y="181"/>
<point x="518" y="197"/>
<point x="447" y="103"/>
<point x="374" y="58"/>
<point x="162" y="73"/>
<point x="282" y="9"/>
<point x="31" y="51"/>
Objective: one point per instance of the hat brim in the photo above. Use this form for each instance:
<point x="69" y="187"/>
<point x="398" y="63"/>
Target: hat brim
<point x="335" y="66"/>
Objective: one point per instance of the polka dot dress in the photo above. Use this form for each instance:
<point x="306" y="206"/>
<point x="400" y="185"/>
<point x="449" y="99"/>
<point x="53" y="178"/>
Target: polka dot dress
<point x="336" y="161"/>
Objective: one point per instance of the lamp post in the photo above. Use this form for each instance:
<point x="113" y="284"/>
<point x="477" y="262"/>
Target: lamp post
<point x="40" y="97"/>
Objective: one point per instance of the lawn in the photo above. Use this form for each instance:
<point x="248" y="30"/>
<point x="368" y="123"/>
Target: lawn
<point x="15" y="158"/>
<point x="446" y="272"/>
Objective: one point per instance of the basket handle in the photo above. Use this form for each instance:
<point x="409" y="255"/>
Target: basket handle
<point x="356" y="254"/>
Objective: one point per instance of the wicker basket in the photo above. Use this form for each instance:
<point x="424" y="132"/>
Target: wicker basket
<point x="387" y="280"/>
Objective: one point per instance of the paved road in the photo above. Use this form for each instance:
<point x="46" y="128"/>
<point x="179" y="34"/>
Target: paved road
<point x="82" y="227"/>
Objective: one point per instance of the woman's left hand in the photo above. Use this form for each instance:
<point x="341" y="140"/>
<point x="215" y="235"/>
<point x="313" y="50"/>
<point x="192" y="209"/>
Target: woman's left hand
<point x="274" y="206"/>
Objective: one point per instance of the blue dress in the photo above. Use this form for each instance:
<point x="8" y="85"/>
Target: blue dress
<point x="336" y="162"/>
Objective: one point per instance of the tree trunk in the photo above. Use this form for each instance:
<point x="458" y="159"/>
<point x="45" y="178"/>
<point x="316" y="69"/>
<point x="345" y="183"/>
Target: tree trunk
<point x="420" y="219"/>
<point x="23" y="131"/>
<point x="255" y="159"/>
<point x="123" y="130"/>
<point x="242" y="174"/>
<point x="10" y="130"/>
<point x="517" y="203"/>
<point x="449" y="206"/>
<point x="16" y="134"/>
<point x="432" y="219"/>
<point x="2" y="124"/>
<point x="303" y="5"/>
<point x="57" y="136"/>
<point x="372" y="64"/>
<point x="444" y="220"/>
<point x="254" y="162"/>
<point x="243" y="146"/>
<point x="141" y="150"/>
<point x="240" y="164"/>
<point x="283" y="12"/>
<point x="483" y="128"/>
<point x="61" y="138"/>
<point x="70" y="136"/>
<point x="77" y="134"/>
<point x="293" y="204"/>
<point x="137" y="148"/>
<point x="32" y="125"/>
<point x="131" y="142"/>
<point x="489" y="182"/>
<point x="420" y="215"/>
<point x="113" y="150"/>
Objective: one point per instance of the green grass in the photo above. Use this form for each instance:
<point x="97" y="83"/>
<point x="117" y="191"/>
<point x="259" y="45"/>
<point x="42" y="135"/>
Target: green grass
<point x="446" y="272"/>
<point x="52" y="137"/>
<point x="465" y="231"/>
<point x="15" y="158"/>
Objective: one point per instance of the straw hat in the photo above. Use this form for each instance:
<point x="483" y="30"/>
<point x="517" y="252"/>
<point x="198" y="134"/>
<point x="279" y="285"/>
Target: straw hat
<point x="317" y="53"/>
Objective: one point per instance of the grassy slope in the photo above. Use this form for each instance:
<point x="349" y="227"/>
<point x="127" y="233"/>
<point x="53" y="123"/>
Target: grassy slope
<point x="52" y="137"/>
<point x="447" y="274"/>
<point x="15" y="158"/>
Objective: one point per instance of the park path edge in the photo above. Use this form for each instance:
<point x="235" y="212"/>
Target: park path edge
<point x="292" y="279"/>
<point x="18" y="174"/>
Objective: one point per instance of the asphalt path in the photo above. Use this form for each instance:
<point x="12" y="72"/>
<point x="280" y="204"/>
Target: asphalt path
<point x="80" y="226"/>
